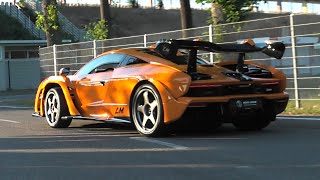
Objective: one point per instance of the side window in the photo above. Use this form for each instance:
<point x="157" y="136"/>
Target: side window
<point x="102" y="63"/>
<point x="130" y="60"/>
<point x="104" y="68"/>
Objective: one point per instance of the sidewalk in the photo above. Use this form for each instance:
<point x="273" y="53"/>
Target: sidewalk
<point x="17" y="92"/>
<point x="17" y="99"/>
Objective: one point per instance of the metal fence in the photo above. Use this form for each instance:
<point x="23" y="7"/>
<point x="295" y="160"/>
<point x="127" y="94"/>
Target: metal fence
<point x="300" y="63"/>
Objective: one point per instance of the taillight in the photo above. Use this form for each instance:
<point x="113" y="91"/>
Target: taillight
<point x="269" y="83"/>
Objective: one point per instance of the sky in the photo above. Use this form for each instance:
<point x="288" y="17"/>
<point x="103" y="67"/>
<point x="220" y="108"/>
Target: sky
<point x="267" y="7"/>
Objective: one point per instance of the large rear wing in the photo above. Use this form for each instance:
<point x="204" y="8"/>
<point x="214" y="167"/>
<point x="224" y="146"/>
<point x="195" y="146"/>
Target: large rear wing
<point x="169" y="48"/>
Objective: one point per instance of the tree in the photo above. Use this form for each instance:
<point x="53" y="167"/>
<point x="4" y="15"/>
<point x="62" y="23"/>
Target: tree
<point x="97" y="30"/>
<point x="48" y="21"/>
<point x="105" y="14"/>
<point x="229" y="10"/>
<point x="133" y="3"/>
<point x="160" y="4"/>
<point x="186" y="17"/>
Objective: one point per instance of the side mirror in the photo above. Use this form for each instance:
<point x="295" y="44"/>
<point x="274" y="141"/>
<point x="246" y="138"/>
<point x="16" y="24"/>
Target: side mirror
<point x="64" y="71"/>
<point x="274" y="49"/>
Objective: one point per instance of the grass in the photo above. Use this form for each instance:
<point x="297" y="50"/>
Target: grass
<point x="307" y="108"/>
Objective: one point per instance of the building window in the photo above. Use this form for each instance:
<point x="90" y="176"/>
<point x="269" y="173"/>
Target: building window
<point x="19" y="54"/>
<point x="33" y="54"/>
<point x="7" y="55"/>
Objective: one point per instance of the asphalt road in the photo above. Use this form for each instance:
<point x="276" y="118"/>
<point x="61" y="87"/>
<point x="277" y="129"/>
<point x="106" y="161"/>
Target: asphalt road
<point x="287" y="149"/>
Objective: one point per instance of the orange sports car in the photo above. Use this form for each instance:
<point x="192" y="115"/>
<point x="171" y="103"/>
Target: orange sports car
<point x="154" y="87"/>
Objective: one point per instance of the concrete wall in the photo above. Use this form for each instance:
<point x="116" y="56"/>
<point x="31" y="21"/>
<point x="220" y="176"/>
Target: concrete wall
<point x="24" y="74"/>
<point x="3" y="75"/>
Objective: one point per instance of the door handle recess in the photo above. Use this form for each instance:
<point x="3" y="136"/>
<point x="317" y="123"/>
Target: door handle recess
<point x="103" y="83"/>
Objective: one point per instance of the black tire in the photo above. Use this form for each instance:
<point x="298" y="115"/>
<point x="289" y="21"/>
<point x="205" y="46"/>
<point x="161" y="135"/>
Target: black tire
<point x="254" y="123"/>
<point x="147" y="111"/>
<point x="55" y="108"/>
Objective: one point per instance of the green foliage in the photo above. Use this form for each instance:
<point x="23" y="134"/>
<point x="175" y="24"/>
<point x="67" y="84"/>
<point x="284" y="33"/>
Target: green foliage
<point x="97" y="30"/>
<point x="22" y="3"/>
<point x="133" y="3"/>
<point x="27" y="11"/>
<point x="307" y="108"/>
<point x="51" y="20"/>
<point x="234" y="10"/>
<point x="11" y="29"/>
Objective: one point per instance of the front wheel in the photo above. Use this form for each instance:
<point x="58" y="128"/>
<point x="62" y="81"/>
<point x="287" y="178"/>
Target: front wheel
<point x="147" y="111"/>
<point x="55" y="108"/>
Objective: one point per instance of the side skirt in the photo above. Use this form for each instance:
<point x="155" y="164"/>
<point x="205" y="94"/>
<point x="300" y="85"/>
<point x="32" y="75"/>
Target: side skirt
<point x="122" y="120"/>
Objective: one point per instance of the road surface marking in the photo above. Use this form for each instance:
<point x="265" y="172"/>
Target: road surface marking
<point x="218" y="138"/>
<point x="16" y="107"/>
<point x="299" y="118"/>
<point x="87" y="150"/>
<point x="9" y="121"/>
<point x="8" y="100"/>
<point x="175" y="146"/>
<point x="65" y="136"/>
<point x="72" y="140"/>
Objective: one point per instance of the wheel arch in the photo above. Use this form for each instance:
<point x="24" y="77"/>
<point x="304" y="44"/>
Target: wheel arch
<point x="162" y="90"/>
<point x="49" y="85"/>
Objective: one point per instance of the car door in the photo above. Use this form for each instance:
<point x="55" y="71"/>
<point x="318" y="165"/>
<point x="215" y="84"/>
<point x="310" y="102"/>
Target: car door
<point x="93" y="86"/>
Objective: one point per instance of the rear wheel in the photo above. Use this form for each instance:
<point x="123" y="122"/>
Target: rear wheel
<point x="147" y="111"/>
<point x="55" y="108"/>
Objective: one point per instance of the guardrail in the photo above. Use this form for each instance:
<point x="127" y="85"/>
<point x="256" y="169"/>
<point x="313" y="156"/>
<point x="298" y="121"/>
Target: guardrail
<point x="12" y="10"/>
<point x="67" y="26"/>
<point x="300" y="63"/>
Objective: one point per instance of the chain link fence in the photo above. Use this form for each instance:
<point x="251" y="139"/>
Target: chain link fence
<point x="300" y="63"/>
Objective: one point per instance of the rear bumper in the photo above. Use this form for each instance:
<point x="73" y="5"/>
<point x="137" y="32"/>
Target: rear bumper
<point x="226" y="99"/>
<point x="175" y="108"/>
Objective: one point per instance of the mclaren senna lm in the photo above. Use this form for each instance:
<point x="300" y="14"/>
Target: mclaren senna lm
<point x="154" y="87"/>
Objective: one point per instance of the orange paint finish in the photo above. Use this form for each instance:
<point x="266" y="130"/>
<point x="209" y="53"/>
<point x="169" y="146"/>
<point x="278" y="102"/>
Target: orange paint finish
<point x="108" y="94"/>
<point x="55" y="81"/>
<point x="170" y="83"/>
<point x="181" y="104"/>
<point x="174" y="80"/>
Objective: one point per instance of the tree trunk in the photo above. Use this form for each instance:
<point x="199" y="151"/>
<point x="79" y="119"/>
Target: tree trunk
<point x="186" y="17"/>
<point x="105" y="14"/>
<point x="217" y="18"/>
<point x="217" y="14"/>
<point x="53" y="36"/>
